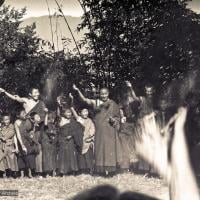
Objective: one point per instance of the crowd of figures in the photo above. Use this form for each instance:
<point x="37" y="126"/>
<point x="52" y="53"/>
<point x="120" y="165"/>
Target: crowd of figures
<point x="67" y="141"/>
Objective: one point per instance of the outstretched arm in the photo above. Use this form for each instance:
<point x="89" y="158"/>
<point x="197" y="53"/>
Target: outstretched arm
<point x="74" y="113"/>
<point x="90" y="102"/>
<point x="129" y="85"/>
<point x="72" y="108"/>
<point x="13" y="97"/>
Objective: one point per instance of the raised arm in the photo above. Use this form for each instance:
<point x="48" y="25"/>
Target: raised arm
<point x="72" y="108"/>
<point x="129" y="85"/>
<point x="90" y="102"/>
<point x="13" y="97"/>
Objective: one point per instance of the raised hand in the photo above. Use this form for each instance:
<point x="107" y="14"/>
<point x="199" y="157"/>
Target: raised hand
<point x="74" y="87"/>
<point x="46" y="110"/>
<point x="128" y="84"/>
<point x="59" y="100"/>
<point x="2" y="90"/>
<point x="71" y="96"/>
<point x="123" y="120"/>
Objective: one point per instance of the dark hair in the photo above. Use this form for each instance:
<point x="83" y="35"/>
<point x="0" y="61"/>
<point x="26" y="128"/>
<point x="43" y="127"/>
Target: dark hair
<point x="6" y="114"/>
<point x="149" y="85"/>
<point x="105" y="88"/>
<point x="64" y="109"/>
<point x="18" y="111"/>
<point x="33" y="88"/>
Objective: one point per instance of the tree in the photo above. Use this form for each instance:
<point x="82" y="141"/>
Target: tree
<point x="142" y="40"/>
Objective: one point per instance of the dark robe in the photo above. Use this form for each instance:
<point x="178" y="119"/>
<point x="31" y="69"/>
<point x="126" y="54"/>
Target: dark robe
<point x="126" y="150"/>
<point x="27" y="160"/>
<point x="69" y="148"/>
<point x="49" y="147"/>
<point x="39" y="109"/>
<point x="106" y="137"/>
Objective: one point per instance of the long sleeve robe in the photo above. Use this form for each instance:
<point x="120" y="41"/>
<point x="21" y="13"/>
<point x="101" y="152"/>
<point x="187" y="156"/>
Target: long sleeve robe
<point x="106" y="136"/>
<point x="69" y="147"/>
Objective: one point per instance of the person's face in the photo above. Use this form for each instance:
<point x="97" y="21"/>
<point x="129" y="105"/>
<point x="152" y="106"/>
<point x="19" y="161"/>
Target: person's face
<point x="149" y="91"/>
<point x="6" y="120"/>
<point x="68" y="114"/>
<point x="37" y="119"/>
<point x="84" y="113"/>
<point x="22" y="115"/>
<point x="35" y="94"/>
<point x="104" y="95"/>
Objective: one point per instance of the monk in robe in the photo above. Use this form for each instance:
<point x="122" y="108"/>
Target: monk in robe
<point x="146" y="107"/>
<point x="10" y="146"/>
<point x="29" y="148"/>
<point x="70" y="140"/>
<point x="86" y="157"/>
<point x="129" y="111"/>
<point x="49" y="141"/>
<point x="31" y="104"/>
<point x="107" y="122"/>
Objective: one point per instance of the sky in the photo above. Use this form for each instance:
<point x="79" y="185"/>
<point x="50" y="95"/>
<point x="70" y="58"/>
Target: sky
<point x="36" y="8"/>
<point x="195" y="5"/>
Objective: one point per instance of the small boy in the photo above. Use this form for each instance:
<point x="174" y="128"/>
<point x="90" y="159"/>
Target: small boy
<point x="86" y="158"/>
<point x="10" y="146"/>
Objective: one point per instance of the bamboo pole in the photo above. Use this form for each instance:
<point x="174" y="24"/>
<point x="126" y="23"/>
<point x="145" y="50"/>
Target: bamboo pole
<point x="60" y="10"/>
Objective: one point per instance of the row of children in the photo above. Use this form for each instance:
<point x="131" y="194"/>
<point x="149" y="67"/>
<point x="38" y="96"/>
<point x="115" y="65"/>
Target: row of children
<point x="52" y="147"/>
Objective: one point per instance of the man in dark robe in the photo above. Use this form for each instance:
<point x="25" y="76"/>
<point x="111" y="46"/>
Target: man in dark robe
<point x="107" y="121"/>
<point x="31" y="104"/>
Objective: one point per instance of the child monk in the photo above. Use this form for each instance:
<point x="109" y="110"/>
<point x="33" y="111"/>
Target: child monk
<point x="86" y="158"/>
<point x="70" y="143"/>
<point x="10" y="146"/>
<point x="49" y="144"/>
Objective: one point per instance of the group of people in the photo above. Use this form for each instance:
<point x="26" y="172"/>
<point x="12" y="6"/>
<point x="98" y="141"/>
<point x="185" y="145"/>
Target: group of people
<point x="41" y="142"/>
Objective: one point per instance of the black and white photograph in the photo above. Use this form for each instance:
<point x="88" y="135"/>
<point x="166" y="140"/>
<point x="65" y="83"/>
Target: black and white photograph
<point x="100" y="99"/>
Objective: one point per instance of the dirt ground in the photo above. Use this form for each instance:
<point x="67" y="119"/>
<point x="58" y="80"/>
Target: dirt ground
<point x="61" y="188"/>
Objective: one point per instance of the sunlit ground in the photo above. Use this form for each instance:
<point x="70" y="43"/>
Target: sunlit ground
<point x="67" y="187"/>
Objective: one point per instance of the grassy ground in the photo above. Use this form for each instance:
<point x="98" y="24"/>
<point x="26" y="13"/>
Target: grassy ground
<point x="67" y="187"/>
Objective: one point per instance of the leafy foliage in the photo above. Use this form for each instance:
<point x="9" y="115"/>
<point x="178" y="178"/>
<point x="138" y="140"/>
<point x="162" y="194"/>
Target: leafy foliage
<point x="154" y="41"/>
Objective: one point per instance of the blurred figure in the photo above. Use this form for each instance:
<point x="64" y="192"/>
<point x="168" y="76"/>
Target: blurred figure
<point x="129" y="111"/>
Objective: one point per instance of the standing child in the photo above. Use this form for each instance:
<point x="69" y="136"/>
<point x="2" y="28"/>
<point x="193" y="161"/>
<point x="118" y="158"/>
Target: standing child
<point x="70" y="143"/>
<point x="10" y="146"/>
<point x="25" y="129"/>
<point x="19" y="125"/>
<point x="35" y="133"/>
<point x="49" y="144"/>
<point x="86" y="157"/>
<point x="2" y="155"/>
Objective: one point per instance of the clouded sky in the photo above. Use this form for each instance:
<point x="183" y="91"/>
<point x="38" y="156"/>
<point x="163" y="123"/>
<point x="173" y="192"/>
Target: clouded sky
<point x="39" y="7"/>
<point x="70" y="7"/>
